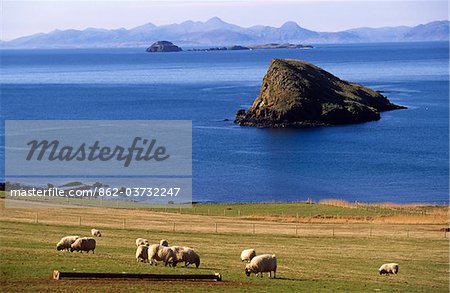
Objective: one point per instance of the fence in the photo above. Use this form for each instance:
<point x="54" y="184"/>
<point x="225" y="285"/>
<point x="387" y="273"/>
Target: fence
<point x="168" y="222"/>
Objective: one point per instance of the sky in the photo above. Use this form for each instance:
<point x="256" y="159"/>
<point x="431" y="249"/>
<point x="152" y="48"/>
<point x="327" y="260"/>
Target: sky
<point x="19" y="18"/>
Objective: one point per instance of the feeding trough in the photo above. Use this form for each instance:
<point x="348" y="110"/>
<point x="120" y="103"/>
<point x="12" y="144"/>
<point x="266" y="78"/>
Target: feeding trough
<point x="57" y="275"/>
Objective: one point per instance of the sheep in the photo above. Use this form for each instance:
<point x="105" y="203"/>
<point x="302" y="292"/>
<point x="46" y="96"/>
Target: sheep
<point x="96" y="233"/>
<point x="142" y="253"/>
<point x="164" y="242"/>
<point x="66" y="242"/>
<point x="142" y="241"/>
<point x="83" y="244"/>
<point x="248" y="254"/>
<point x="192" y="258"/>
<point x="185" y="254"/>
<point x="388" y="268"/>
<point x="262" y="264"/>
<point x="157" y="252"/>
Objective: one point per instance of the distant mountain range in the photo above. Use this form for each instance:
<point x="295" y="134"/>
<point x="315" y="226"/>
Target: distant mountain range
<point x="216" y="32"/>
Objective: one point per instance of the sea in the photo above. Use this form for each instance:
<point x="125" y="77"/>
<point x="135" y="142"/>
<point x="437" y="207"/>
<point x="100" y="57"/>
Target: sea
<point x="402" y="158"/>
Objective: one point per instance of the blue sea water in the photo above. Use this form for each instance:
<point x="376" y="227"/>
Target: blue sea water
<point x="404" y="157"/>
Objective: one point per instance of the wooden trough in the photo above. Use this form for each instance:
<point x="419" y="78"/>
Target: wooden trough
<point x="57" y="275"/>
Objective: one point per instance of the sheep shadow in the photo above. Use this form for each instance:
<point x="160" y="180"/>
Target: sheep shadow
<point x="289" y="279"/>
<point x="200" y="268"/>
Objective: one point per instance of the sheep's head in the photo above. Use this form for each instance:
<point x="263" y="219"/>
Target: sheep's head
<point x="248" y="271"/>
<point x="59" y="247"/>
<point x="164" y="243"/>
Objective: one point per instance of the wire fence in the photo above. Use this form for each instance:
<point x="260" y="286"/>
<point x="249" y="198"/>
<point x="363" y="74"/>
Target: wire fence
<point x="169" y="222"/>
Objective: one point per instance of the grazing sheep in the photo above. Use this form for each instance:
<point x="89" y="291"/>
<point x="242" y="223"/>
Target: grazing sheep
<point x="164" y="242"/>
<point x="192" y="258"/>
<point x="185" y="254"/>
<point x="142" y="241"/>
<point x="142" y="253"/>
<point x="157" y="252"/>
<point x="388" y="268"/>
<point x="262" y="264"/>
<point x="66" y="242"/>
<point x="83" y="244"/>
<point x="96" y="233"/>
<point x="248" y="254"/>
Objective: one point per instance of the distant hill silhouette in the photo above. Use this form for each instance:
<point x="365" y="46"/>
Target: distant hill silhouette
<point x="216" y="32"/>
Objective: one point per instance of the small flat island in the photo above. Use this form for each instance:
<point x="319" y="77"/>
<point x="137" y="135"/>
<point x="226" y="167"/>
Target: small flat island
<point x="296" y="93"/>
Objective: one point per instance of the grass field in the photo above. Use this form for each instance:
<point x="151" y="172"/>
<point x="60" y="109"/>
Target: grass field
<point x="308" y="262"/>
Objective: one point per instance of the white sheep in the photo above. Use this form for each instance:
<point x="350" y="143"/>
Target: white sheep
<point x="185" y="254"/>
<point x="96" y="233"/>
<point x="266" y="263"/>
<point x="142" y="241"/>
<point x="248" y="254"/>
<point x="164" y="242"/>
<point x="192" y="257"/>
<point x="157" y="252"/>
<point x="66" y="242"/>
<point x="83" y="244"/>
<point x="142" y="253"/>
<point x="388" y="268"/>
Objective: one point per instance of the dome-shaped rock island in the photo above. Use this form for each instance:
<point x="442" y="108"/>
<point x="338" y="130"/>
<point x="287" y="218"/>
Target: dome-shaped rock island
<point x="296" y="93"/>
<point x="163" y="46"/>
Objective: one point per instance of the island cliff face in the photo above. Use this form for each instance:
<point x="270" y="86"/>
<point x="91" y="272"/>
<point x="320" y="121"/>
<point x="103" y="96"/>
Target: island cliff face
<point x="163" y="46"/>
<point x="296" y="93"/>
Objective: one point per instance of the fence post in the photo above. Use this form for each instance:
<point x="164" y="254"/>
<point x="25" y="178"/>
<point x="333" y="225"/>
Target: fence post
<point x="215" y="225"/>
<point x="180" y="210"/>
<point x="407" y="233"/>
<point x="37" y="217"/>
<point x="333" y="231"/>
<point x="224" y="212"/>
<point x="173" y="229"/>
<point x="296" y="230"/>
<point x="370" y="233"/>
<point x="297" y="217"/>
<point x="79" y="221"/>
<point x="253" y="228"/>
<point x="124" y="223"/>
<point x="239" y="213"/>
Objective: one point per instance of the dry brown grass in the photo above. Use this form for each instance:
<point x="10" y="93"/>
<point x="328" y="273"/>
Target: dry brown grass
<point x="435" y="219"/>
<point x="411" y="208"/>
<point x="414" y="226"/>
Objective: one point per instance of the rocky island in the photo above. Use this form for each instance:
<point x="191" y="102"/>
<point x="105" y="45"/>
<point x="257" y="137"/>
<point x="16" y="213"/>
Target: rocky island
<point x="232" y="48"/>
<point x="296" y="93"/>
<point x="281" y="46"/>
<point x="163" y="46"/>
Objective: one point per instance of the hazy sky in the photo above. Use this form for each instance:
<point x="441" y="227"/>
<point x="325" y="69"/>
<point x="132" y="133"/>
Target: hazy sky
<point x="21" y="18"/>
